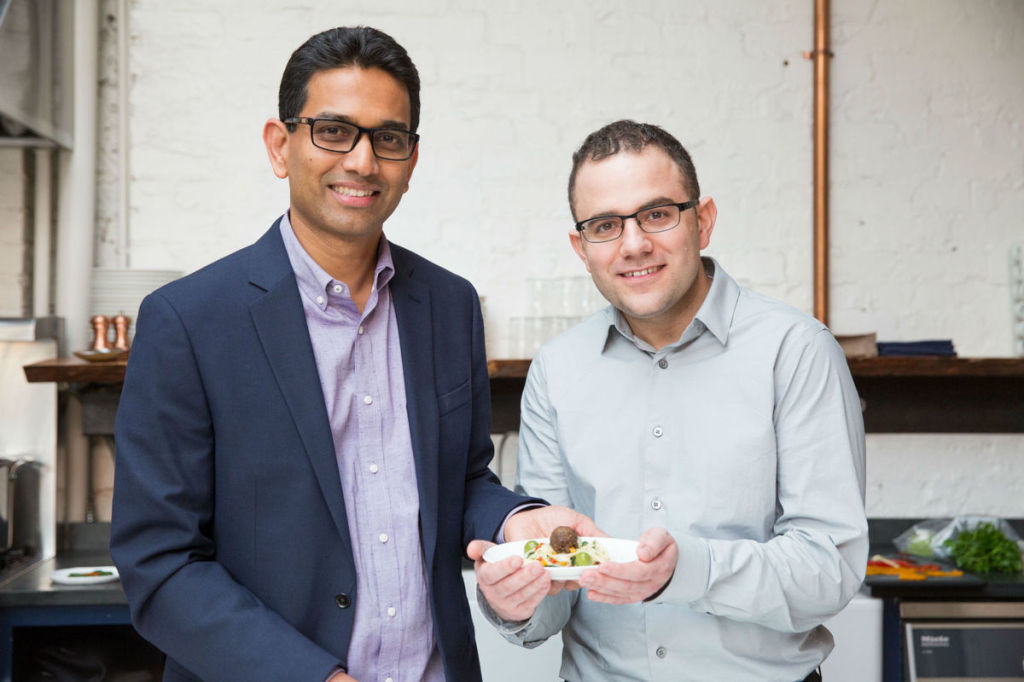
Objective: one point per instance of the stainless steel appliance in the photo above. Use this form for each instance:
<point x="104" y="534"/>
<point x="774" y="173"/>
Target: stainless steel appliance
<point x="28" y="447"/>
<point x="20" y="521"/>
<point x="957" y="641"/>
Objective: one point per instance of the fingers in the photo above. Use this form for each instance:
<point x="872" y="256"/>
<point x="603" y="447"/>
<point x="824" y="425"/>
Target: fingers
<point x="493" y="572"/>
<point x="540" y="521"/>
<point x="585" y="527"/>
<point x="625" y="583"/>
<point x="559" y="585"/>
<point x="652" y="543"/>
<point x="512" y="588"/>
<point x="475" y="550"/>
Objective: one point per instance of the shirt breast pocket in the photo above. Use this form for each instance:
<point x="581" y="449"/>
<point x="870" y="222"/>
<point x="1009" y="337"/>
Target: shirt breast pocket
<point x="455" y="398"/>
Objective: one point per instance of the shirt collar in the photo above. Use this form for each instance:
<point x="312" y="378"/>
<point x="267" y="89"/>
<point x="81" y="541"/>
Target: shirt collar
<point x="313" y="281"/>
<point x="714" y="315"/>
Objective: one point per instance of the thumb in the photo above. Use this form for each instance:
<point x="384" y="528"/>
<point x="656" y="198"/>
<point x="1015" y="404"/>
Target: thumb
<point x="653" y="542"/>
<point x="475" y="550"/>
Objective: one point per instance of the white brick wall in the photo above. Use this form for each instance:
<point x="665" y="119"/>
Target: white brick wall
<point x="927" y="159"/>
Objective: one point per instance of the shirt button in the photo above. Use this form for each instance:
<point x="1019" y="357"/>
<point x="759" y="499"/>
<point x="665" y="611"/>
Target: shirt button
<point x="368" y="400"/>
<point x="656" y="504"/>
<point x="374" y="468"/>
<point x="337" y="288"/>
<point x="320" y="300"/>
<point x="383" y="537"/>
<point x="663" y="363"/>
<point x="361" y="330"/>
<point x="660" y="652"/>
<point x="342" y="601"/>
<point x="657" y="431"/>
<point x="392" y="611"/>
<point x="388" y="679"/>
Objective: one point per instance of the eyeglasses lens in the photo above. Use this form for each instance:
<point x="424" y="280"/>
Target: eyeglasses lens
<point x="337" y="136"/>
<point x="657" y="219"/>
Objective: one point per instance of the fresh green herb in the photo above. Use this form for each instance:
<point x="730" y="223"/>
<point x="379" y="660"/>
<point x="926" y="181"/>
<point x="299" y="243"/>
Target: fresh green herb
<point x="986" y="549"/>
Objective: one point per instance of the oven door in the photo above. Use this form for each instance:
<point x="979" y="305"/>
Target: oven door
<point x="960" y="641"/>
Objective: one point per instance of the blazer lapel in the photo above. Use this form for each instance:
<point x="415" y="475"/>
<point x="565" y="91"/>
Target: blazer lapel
<point x="412" y="303"/>
<point x="281" y="326"/>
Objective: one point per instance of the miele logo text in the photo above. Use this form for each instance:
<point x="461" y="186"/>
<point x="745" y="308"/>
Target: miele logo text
<point x="934" y="640"/>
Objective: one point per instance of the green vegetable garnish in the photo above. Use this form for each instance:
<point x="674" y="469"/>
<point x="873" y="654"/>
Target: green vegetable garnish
<point x="529" y="546"/>
<point x="582" y="559"/>
<point x="986" y="549"/>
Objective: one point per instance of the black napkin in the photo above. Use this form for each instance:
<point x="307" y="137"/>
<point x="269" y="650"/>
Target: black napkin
<point x="935" y="347"/>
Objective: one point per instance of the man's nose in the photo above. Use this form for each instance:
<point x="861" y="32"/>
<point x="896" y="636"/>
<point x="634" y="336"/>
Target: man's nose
<point x="361" y="159"/>
<point x="634" y="240"/>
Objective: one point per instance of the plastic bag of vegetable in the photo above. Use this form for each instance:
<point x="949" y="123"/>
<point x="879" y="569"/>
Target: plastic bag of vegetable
<point x="919" y="539"/>
<point x="984" y="543"/>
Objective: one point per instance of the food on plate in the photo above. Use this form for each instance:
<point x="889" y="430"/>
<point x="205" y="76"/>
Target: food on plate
<point x="564" y="540"/>
<point x="91" y="574"/>
<point x="907" y="570"/>
<point x="565" y="549"/>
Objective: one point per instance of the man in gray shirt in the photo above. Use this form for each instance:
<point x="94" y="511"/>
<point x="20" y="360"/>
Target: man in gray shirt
<point x="718" y="426"/>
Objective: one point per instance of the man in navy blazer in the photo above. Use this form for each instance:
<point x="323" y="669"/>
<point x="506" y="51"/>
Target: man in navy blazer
<point x="303" y="433"/>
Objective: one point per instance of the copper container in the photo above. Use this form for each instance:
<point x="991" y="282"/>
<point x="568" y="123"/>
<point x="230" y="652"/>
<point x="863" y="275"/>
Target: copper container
<point x="100" y="328"/>
<point x="121" y="324"/>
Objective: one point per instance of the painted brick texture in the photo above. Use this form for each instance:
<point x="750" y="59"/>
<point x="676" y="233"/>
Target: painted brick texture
<point x="927" y="159"/>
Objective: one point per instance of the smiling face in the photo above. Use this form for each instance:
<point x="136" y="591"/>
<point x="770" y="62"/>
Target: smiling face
<point x="656" y="280"/>
<point x="342" y="199"/>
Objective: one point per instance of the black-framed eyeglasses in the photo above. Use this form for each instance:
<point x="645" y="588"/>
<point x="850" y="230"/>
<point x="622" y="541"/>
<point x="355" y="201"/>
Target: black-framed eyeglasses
<point x="608" y="228"/>
<point x="390" y="144"/>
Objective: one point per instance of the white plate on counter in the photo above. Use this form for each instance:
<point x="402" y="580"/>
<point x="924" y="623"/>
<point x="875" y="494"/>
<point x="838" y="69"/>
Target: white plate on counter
<point x="85" y="575"/>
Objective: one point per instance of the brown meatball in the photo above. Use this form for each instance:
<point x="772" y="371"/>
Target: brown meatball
<point x="564" y="539"/>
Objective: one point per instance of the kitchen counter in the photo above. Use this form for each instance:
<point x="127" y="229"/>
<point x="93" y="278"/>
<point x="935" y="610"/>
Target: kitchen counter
<point x="32" y="587"/>
<point x="969" y="587"/>
<point x="37" y="614"/>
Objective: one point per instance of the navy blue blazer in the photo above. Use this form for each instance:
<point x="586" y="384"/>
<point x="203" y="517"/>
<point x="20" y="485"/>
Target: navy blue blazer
<point x="229" y="528"/>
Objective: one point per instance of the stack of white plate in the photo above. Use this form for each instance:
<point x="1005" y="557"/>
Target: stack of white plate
<point x="118" y="291"/>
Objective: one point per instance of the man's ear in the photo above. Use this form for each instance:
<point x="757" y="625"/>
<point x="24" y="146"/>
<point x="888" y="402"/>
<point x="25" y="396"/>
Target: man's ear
<point x="707" y="213"/>
<point x="577" y="245"/>
<point x="275" y="137"/>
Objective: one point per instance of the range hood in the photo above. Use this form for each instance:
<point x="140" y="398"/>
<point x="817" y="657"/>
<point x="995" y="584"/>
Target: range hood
<point x="36" y="86"/>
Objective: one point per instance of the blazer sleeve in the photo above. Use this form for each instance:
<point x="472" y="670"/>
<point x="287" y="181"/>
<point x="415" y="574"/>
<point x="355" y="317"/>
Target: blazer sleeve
<point x="181" y="598"/>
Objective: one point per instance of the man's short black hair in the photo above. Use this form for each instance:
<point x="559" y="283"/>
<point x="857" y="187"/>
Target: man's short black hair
<point x="626" y="135"/>
<point x="337" y="48"/>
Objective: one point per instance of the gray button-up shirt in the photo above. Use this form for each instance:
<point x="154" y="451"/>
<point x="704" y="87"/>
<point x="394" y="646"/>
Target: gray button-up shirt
<point x="360" y="365"/>
<point x="744" y="439"/>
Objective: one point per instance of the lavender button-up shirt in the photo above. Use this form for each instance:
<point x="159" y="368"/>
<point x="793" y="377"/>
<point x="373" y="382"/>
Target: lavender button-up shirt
<point x="360" y="366"/>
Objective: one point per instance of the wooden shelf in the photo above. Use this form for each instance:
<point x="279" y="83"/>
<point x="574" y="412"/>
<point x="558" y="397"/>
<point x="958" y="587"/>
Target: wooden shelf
<point x="924" y="366"/>
<point x="900" y="394"/>
<point x="929" y="366"/>
<point x="75" y="371"/>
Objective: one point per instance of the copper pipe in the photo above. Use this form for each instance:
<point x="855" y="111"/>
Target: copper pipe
<point x="821" y="55"/>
